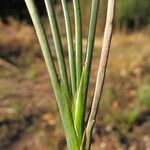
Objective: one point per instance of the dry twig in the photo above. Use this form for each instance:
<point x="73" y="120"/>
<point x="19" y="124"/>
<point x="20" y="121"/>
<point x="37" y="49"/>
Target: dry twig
<point x="101" y="71"/>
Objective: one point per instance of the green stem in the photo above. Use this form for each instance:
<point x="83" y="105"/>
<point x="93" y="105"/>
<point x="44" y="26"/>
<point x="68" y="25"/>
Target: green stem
<point x="78" y="41"/>
<point x="81" y="100"/>
<point x="57" y="43"/>
<point x="80" y="109"/>
<point x="70" y="47"/>
<point x="63" y="105"/>
<point x="90" y="43"/>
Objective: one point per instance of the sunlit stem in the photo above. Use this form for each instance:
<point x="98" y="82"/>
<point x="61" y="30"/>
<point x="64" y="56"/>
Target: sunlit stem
<point x="101" y="72"/>
<point x="70" y="47"/>
<point x="78" y="39"/>
<point x="59" y="91"/>
<point x="81" y="99"/>
<point x="57" y="43"/>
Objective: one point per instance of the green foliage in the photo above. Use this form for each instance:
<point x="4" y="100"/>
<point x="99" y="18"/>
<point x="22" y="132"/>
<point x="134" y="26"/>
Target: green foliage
<point x="143" y="95"/>
<point x="133" y="13"/>
<point x="127" y="120"/>
<point x="107" y="98"/>
<point x="131" y="116"/>
<point x="124" y="121"/>
<point x="32" y="73"/>
<point x="130" y="14"/>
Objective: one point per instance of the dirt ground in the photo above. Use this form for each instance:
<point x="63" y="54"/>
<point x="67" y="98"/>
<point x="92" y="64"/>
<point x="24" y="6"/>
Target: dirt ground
<point x="29" y="118"/>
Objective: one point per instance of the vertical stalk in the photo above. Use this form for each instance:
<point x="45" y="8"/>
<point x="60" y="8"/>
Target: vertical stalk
<point x="78" y="39"/>
<point x="79" y="110"/>
<point x="57" y="43"/>
<point x="70" y="47"/>
<point x="81" y="102"/>
<point x="101" y="71"/>
<point x="63" y="105"/>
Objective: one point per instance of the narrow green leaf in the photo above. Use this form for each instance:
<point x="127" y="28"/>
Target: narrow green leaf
<point x="90" y="43"/>
<point x="60" y="92"/>
<point x="78" y="41"/>
<point x="80" y="108"/>
<point x="67" y="119"/>
<point x="57" y="43"/>
<point x="70" y="47"/>
<point x="82" y="93"/>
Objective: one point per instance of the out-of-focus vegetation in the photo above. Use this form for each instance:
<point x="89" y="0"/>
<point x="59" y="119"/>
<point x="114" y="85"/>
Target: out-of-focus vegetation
<point x="27" y="106"/>
<point x="17" y="9"/>
<point x="133" y="13"/>
<point x="130" y="14"/>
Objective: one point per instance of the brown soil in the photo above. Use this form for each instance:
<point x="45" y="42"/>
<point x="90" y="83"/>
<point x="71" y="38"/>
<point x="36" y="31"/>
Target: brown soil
<point x="29" y="117"/>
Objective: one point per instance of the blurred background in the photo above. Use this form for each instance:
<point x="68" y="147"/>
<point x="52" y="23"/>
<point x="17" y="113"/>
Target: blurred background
<point x="29" y="118"/>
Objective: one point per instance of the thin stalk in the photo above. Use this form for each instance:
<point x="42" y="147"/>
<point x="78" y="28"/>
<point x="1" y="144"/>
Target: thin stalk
<point x="78" y="40"/>
<point x="81" y="102"/>
<point x="70" y="47"/>
<point x="63" y="105"/>
<point x="57" y="43"/>
<point x="79" y="109"/>
<point x="101" y="71"/>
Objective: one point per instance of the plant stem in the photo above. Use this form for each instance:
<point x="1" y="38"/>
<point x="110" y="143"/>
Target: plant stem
<point x="70" y="47"/>
<point x="59" y="91"/>
<point x="101" y="71"/>
<point x="80" y="109"/>
<point x="81" y="100"/>
<point x="78" y="41"/>
<point x="91" y="39"/>
<point x="57" y="43"/>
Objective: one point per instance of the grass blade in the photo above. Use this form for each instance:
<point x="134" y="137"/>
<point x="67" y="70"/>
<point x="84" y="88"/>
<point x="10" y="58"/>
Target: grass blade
<point x="43" y="42"/>
<point x="80" y="109"/>
<point x="91" y="39"/>
<point x="78" y="40"/>
<point x="70" y="47"/>
<point x="59" y="90"/>
<point x="57" y="43"/>
<point x="81" y="100"/>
